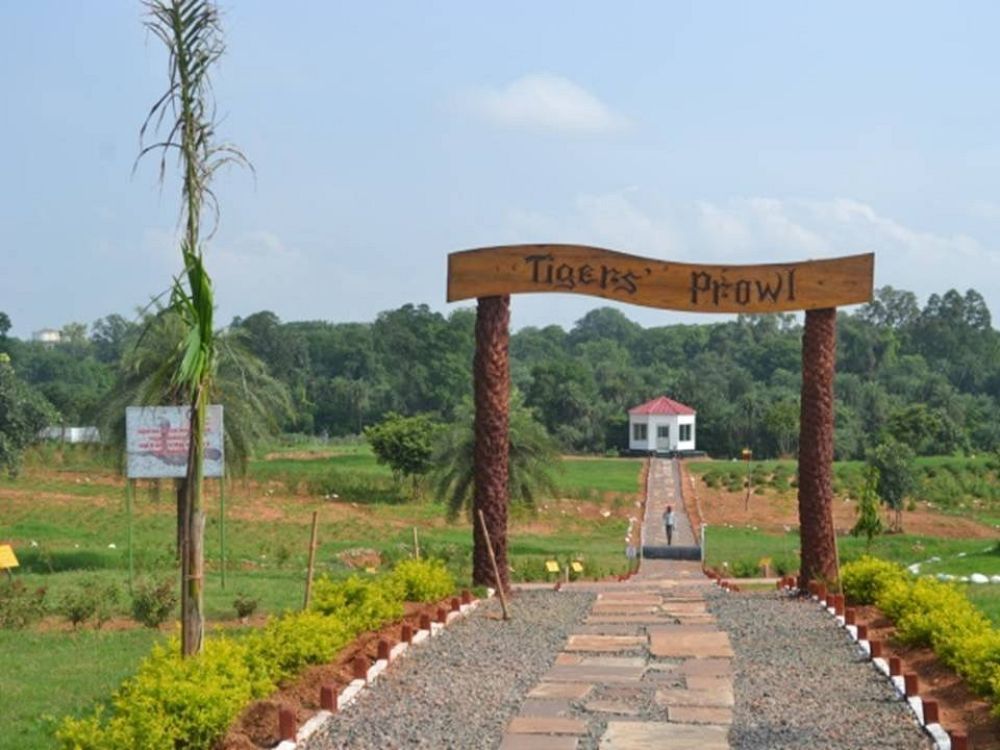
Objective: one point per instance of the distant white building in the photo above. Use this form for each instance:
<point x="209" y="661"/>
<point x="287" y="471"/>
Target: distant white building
<point x="71" y="434"/>
<point x="47" y="336"/>
<point x="662" y="426"/>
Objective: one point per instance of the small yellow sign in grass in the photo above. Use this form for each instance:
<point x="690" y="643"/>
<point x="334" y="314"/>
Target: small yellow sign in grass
<point x="576" y="566"/>
<point x="7" y="557"/>
<point x="552" y="566"/>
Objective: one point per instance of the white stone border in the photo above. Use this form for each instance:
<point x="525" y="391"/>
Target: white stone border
<point x="349" y="695"/>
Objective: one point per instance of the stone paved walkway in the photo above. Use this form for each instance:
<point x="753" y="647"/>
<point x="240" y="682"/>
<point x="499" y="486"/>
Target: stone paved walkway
<point x="663" y="488"/>
<point x="648" y="668"/>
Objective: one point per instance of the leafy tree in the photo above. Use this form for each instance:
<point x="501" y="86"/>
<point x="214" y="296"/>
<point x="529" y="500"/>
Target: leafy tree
<point x="869" y="523"/>
<point x="192" y="32"/>
<point x="781" y="419"/>
<point x="23" y="413"/>
<point x="68" y="375"/>
<point x="405" y="444"/>
<point x="108" y="336"/>
<point x="284" y="350"/>
<point x="605" y="324"/>
<point x="531" y="459"/>
<point x="341" y="405"/>
<point x="896" y="476"/>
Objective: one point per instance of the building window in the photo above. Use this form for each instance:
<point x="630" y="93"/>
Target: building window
<point x="685" y="433"/>
<point x="663" y="432"/>
<point x="639" y="432"/>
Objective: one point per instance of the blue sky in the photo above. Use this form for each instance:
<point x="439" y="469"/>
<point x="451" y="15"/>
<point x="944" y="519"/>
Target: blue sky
<point x="386" y="135"/>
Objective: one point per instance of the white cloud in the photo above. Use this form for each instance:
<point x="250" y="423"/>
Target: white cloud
<point x="543" y="101"/>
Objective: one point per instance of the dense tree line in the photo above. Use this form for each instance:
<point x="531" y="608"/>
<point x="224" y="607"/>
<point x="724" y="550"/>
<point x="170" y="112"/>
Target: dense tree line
<point x="928" y="377"/>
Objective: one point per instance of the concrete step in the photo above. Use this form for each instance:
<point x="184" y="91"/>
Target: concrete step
<point x="671" y="552"/>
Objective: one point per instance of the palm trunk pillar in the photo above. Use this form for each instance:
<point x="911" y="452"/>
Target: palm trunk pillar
<point x="818" y="537"/>
<point x="491" y="376"/>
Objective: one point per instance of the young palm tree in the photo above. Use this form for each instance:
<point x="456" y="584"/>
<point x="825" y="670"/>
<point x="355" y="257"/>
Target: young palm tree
<point x="192" y="33"/>
<point x="532" y="456"/>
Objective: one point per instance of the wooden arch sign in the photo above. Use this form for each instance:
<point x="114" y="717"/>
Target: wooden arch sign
<point x="492" y="274"/>
<point x="580" y="269"/>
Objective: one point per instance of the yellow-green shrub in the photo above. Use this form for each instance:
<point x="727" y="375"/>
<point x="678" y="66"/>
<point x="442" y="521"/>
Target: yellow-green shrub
<point x="423" y="580"/>
<point x="174" y="703"/>
<point x="864" y="579"/>
<point x="362" y="604"/>
<point x="289" y="643"/>
<point x="925" y="609"/>
<point x="975" y="654"/>
<point x="928" y="612"/>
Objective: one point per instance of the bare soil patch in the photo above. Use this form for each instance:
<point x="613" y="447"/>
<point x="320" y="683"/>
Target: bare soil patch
<point x="777" y="512"/>
<point x="306" y="455"/>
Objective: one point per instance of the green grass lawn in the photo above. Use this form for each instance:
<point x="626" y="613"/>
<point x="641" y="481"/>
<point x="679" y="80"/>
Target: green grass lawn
<point x="585" y="475"/>
<point x="724" y="544"/>
<point x="987" y="598"/>
<point x="46" y="675"/>
<point x="984" y="559"/>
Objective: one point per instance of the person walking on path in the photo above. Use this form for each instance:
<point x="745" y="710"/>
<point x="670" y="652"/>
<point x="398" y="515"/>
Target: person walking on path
<point x="669" y="521"/>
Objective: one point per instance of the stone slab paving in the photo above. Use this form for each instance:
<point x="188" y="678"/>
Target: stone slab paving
<point x="538" y="742"/>
<point x="690" y="642"/>
<point x="546" y="725"/>
<point x="622" y="735"/>
<point x="651" y="681"/>
<point x="701" y="714"/>
<point x="612" y="643"/>
<point x="663" y="488"/>
<point x="556" y="690"/>
<point x="648" y="668"/>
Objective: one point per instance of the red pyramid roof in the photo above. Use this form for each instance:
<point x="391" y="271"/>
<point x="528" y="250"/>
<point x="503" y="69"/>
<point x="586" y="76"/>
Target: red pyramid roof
<point x="662" y="405"/>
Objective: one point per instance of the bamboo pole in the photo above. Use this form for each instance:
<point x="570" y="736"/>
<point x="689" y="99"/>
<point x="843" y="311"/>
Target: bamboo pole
<point x="493" y="561"/>
<point x="222" y="529"/>
<point x="416" y="544"/>
<point x="129" y="492"/>
<point x="312" y="560"/>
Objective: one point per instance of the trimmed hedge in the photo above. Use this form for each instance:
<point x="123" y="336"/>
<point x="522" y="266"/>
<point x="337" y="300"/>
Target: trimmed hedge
<point x="174" y="703"/>
<point x="928" y="612"/>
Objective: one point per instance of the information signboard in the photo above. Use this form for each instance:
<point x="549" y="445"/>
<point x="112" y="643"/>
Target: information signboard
<point x="157" y="440"/>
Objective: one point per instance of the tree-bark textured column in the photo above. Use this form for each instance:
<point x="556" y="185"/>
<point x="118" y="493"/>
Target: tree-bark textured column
<point x="491" y="376"/>
<point x="818" y="537"/>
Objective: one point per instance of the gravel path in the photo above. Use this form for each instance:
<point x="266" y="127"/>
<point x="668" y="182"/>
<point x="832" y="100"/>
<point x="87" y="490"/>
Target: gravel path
<point x="800" y="683"/>
<point x="460" y="689"/>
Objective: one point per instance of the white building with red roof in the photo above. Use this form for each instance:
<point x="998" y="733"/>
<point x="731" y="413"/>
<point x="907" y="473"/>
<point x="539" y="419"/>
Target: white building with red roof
<point x="661" y="426"/>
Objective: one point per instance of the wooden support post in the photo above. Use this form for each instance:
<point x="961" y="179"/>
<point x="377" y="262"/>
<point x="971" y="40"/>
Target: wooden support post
<point x="312" y="560"/>
<point x="222" y="529"/>
<point x="416" y="544"/>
